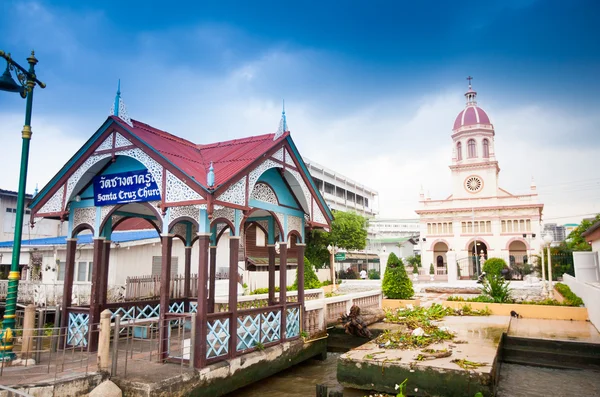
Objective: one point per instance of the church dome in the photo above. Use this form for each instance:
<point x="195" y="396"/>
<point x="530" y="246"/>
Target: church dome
<point x="472" y="114"/>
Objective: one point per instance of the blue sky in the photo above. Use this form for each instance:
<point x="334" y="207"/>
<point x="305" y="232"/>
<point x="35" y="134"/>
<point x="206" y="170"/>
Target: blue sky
<point x="381" y="82"/>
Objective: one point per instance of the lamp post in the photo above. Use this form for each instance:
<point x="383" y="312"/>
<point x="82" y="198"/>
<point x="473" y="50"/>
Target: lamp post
<point x="548" y="238"/>
<point x="27" y="80"/>
<point x="544" y="289"/>
<point x="332" y="251"/>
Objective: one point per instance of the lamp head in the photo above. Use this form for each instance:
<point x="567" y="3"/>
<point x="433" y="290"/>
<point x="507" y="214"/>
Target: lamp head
<point x="7" y="83"/>
<point x="548" y="239"/>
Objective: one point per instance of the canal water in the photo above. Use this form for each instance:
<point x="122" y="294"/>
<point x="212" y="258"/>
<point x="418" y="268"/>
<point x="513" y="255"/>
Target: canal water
<point x="300" y="381"/>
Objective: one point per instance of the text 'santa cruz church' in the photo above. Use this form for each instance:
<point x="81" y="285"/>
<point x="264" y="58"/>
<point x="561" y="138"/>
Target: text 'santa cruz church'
<point x="479" y="217"/>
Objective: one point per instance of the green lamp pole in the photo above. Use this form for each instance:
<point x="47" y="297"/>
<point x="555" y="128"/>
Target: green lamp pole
<point x="28" y="81"/>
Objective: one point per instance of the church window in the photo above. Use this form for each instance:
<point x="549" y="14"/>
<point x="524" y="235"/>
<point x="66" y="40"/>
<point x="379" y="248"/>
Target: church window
<point x="470" y="227"/>
<point x="486" y="148"/>
<point x="464" y="227"/>
<point x="459" y="151"/>
<point x="450" y="228"/>
<point x="503" y="226"/>
<point x="522" y="225"/>
<point x="476" y="228"/>
<point x="445" y="228"/>
<point x="488" y="226"/>
<point x="528" y="223"/>
<point x="429" y="228"/>
<point x="509" y="226"/>
<point x="472" y="149"/>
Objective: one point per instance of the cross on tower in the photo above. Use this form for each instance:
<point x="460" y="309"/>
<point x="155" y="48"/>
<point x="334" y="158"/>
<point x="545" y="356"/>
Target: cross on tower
<point x="469" y="78"/>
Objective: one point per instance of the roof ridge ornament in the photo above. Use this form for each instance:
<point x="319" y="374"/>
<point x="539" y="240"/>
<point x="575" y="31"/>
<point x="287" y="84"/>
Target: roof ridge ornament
<point x="471" y="94"/>
<point x="118" y="108"/>
<point x="210" y="176"/>
<point x="283" y="127"/>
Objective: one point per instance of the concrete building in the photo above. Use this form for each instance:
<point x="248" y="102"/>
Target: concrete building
<point x="558" y="231"/>
<point x="342" y="193"/>
<point x="478" y="219"/>
<point x="393" y="227"/>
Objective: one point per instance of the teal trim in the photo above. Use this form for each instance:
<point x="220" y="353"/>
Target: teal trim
<point x="71" y="162"/>
<point x="121" y="164"/>
<point x="87" y="203"/>
<point x="273" y="178"/>
<point x="258" y="218"/>
<point x="271" y="236"/>
<point x="303" y="229"/>
<point x="70" y="224"/>
<point x="237" y="220"/>
<point x="309" y="177"/>
<point x="107" y="232"/>
<point x="117" y="99"/>
<point x="125" y="213"/>
<point x="203" y="222"/>
<point x="213" y="235"/>
<point x="285" y="227"/>
<point x="275" y="208"/>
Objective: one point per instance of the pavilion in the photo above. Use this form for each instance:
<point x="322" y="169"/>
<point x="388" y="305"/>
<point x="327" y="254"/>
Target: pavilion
<point x="193" y="192"/>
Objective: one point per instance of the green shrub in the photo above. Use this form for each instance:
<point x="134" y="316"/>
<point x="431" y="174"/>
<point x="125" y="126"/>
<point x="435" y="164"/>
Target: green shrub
<point x="396" y="284"/>
<point x="326" y="283"/>
<point x="570" y="298"/>
<point x="348" y="274"/>
<point x="311" y="280"/>
<point x="497" y="288"/>
<point x="415" y="269"/>
<point x="479" y="298"/>
<point x="494" y="266"/>
<point x="373" y="274"/>
<point x="431" y="269"/>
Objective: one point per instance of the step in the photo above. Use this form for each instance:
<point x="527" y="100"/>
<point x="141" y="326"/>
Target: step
<point x="552" y="350"/>
<point x="547" y="345"/>
<point x="549" y="359"/>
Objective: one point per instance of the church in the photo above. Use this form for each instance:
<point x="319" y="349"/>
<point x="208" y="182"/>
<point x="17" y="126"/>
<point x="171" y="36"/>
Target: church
<point x="479" y="219"/>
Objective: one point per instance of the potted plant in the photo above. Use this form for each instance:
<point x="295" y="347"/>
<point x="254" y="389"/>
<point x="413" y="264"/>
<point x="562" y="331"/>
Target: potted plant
<point x="431" y="272"/>
<point x="415" y="272"/>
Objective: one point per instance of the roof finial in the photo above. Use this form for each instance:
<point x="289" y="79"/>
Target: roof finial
<point x="210" y="176"/>
<point x="118" y="108"/>
<point x="470" y="94"/>
<point x="36" y="191"/>
<point x="283" y="127"/>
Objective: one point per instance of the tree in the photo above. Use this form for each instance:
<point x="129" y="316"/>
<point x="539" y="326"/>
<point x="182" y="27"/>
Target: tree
<point x="396" y="284"/>
<point x="311" y="280"/>
<point x="577" y="243"/>
<point x="348" y="231"/>
<point x="414" y="260"/>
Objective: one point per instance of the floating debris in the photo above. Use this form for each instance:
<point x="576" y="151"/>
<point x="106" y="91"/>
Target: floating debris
<point x="466" y="364"/>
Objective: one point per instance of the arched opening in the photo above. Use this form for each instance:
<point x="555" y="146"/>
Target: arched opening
<point x="459" y="151"/>
<point x="439" y="253"/>
<point x="472" y="148"/>
<point x="486" y="148"/>
<point x="517" y="251"/>
<point x="478" y="250"/>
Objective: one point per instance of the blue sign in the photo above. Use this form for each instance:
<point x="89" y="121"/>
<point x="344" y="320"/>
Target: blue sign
<point x="125" y="187"/>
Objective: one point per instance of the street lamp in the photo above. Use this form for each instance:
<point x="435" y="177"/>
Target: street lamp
<point x="27" y="80"/>
<point x="548" y="238"/>
<point x="332" y="251"/>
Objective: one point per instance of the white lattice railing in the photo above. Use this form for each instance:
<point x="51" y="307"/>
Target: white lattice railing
<point x="46" y="294"/>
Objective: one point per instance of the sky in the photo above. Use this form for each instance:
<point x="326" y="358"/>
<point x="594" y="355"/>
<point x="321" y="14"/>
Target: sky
<point x="371" y="88"/>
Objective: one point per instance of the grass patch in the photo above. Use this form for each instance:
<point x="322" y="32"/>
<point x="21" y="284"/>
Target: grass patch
<point x="573" y="302"/>
<point x="570" y="298"/>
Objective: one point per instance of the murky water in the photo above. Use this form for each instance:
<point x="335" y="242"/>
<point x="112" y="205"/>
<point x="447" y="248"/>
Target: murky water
<point x="300" y="381"/>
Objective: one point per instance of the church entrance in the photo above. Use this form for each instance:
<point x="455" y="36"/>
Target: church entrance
<point x="439" y="254"/>
<point x="477" y="250"/>
<point x="517" y="251"/>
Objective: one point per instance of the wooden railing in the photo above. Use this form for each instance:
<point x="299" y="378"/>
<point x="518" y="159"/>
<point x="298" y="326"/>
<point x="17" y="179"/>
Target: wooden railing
<point x="148" y="287"/>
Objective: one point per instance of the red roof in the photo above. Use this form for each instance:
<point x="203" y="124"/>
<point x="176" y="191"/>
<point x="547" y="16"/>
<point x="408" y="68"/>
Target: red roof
<point x="471" y="115"/>
<point x="134" y="224"/>
<point x="228" y="157"/>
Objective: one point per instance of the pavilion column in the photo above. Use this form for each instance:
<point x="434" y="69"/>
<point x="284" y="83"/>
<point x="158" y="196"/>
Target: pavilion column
<point x="103" y="287"/>
<point x="165" y="283"/>
<point x="68" y="284"/>
<point x="187" y="272"/>
<point x="271" y="249"/>
<point x="212" y="279"/>
<point x="283" y="286"/>
<point x="202" y="314"/>
<point x="234" y="247"/>
<point x="95" y="294"/>
<point x="300" y="249"/>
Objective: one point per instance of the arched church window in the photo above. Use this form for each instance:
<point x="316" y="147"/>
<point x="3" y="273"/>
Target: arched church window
<point x="459" y="151"/>
<point x="472" y="149"/>
<point x="486" y="148"/>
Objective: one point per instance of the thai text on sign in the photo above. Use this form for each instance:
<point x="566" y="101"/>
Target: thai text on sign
<point x="125" y="187"/>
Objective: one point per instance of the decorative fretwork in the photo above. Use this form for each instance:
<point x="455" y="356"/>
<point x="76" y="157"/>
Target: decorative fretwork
<point x="225" y="212"/>
<point x="217" y="340"/>
<point x="288" y="159"/>
<point x="235" y="194"/>
<point x="84" y="216"/>
<point x="318" y="214"/>
<point x="292" y="323"/>
<point x="281" y="218"/>
<point x="294" y="223"/>
<point x="121" y="141"/>
<point x="248" y="331"/>
<point x="122" y="112"/>
<point x="106" y="145"/>
<point x="81" y="170"/>
<point x="305" y="190"/>
<point x="177" y="307"/>
<point x="193" y="307"/>
<point x="258" y="171"/>
<point x="190" y="211"/>
<point x="55" y="202"/>
<point x="151" y="165"/>
<point x="77" y="331"/>
<point x="178" y="191"/>
<point x="270" y="327"/>
<point x="180" y="229"/>
<point x="279" y="154"/>
<point x="263" y="192"/>
<point x="104" y="211"/>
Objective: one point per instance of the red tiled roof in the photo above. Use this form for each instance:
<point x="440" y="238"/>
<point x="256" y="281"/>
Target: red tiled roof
<point x="134" y="224"/>
<point x="228" y="157"/>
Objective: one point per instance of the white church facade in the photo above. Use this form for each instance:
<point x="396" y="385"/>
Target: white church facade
<point x="479" y="220"/>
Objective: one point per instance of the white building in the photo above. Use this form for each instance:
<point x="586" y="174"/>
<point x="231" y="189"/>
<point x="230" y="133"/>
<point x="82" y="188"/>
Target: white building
<point x="392" y="227"/>
<point x="478" y="212"/>
<point x="342" y="193"/>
